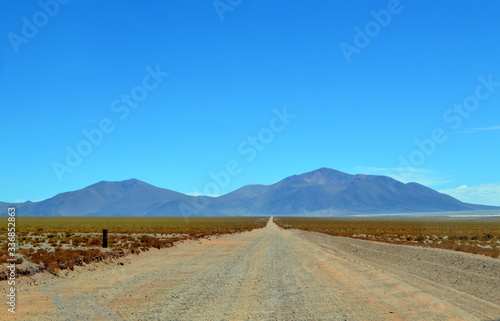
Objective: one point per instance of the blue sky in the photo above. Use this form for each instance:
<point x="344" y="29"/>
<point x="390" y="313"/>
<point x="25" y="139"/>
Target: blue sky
<point x="174" y="93"/>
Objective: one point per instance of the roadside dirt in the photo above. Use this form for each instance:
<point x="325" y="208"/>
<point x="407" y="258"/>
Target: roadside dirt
<point x="270" y="274"/>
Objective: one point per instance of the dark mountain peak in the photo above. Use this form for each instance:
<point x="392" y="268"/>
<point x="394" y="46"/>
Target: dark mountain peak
<point x="119" y="185"/>
<point x="130" y="181"/>
<point x="322" y="176"/>
<point x="325" y="172"/>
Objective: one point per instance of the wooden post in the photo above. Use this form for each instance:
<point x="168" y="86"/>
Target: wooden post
<point x="105" y="238"/>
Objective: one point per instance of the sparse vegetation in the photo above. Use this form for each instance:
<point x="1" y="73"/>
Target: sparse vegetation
<point x="59" y="243"/>
<point x="479" y="236"/>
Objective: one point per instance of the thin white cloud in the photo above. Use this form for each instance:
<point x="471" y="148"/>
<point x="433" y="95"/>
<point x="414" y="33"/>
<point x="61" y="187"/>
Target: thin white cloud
<point x="476" y="130"/>
<point x="487" y="128"/>
<point x="487" y="194"/>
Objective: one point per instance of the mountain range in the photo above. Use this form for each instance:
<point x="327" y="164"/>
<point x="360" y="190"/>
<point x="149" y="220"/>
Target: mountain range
<point x="322" y="192"/>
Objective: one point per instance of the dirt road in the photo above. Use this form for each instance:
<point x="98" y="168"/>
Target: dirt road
<point x="272" y="274"/>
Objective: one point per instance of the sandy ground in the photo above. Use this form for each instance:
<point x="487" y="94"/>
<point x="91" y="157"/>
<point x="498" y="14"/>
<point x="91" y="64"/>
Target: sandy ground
<point x="270" y="274"/>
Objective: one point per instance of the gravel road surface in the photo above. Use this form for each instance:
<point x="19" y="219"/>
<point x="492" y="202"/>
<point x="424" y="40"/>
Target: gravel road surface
<point x="271" y="274"/>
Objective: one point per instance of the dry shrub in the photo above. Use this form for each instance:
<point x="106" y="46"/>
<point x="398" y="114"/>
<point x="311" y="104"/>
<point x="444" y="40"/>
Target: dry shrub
<point x="448" y="232"/>
<point x="65" y="259"/>
<point x="4" y="257"/>
<point x="59" y="230"/>
<point x="420" y="238"/>
<point x="94" y="242"/>
<point x="26" y="252"/>
<point x="4" y="246"/>
<point x="64" y="240"/>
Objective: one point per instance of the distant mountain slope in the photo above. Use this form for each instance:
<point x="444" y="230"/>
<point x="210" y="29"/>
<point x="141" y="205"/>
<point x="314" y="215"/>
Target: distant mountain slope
<point x="321" y="192"/>
<point x="129" y="197"/>
<point x="327" y="191"/>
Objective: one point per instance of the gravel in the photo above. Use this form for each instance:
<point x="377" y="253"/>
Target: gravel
<point x="271" y="274"/>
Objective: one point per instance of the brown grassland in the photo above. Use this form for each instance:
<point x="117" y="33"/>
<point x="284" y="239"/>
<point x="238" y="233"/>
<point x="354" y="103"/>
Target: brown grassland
<point x="478" y="236"/>
<point x="58" y="243"/>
